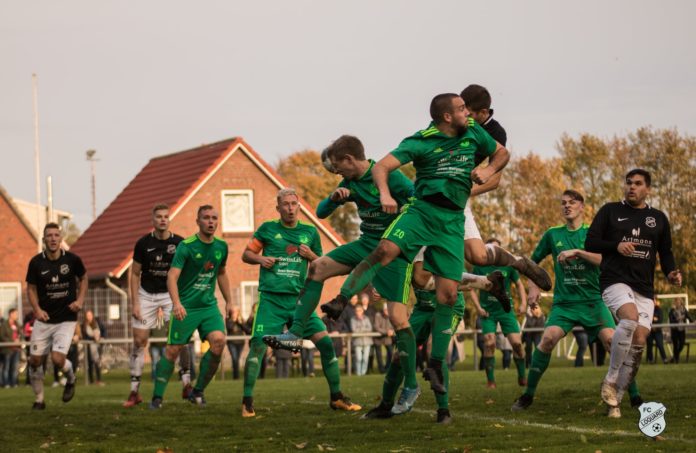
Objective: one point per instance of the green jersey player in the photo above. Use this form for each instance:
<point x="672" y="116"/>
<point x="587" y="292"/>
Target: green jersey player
<point x="283" y="248"/>
<point x="492" y="314"/>
<point x="576" y="298"/>
<point x="199" y="263"/>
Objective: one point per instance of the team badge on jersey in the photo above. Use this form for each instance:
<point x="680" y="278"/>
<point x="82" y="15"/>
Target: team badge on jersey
<point x="652" y="419"/>
<point x="651" y="222"/>
<point x="218" y="255"/>
<point x="304" y="239"/>
<point x="64" y="269"/>
<point x="171" y="248"/>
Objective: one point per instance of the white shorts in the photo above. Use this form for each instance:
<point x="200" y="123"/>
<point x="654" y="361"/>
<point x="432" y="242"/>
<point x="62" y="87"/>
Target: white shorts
<point x="56" y="337"/>
<point x="619" y="294"/>
<point x="150" y="303"/>
<point x="471" y="230"/>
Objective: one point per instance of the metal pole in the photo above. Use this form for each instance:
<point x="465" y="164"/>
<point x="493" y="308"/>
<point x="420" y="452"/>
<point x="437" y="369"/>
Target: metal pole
<point x="49" y="199"/>
<point x="37" y="165"/>
<point x="93" y="173"/>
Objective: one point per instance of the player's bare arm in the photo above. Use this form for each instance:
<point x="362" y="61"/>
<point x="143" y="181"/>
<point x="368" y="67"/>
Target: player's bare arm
<point x="496" y="162"/>
<point x="224" y="285"/>
<point x="567" y="255"/>
<point x="83" y="283"/>
<point x="34" y="301"/>
<point x="178" y="310"/>
<point x="307" y="253"/>
<point x="475" y="300"/>
<point x="492" y="184"/>
<point x="380" y="176"/>
<point x="134" y="286"/>
<point x="251" y="257"/>
<point x="675" y="277"/>
<point x="522" y="309"/>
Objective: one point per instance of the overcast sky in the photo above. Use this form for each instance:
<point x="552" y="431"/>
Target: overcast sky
<point x="137" y="79"/>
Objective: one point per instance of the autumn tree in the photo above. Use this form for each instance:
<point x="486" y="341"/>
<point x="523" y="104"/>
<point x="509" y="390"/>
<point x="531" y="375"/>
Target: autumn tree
<point x="303" y="171"/>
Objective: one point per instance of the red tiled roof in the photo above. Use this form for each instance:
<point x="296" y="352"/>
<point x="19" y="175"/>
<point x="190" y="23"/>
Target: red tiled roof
<point x="106" y="246"/>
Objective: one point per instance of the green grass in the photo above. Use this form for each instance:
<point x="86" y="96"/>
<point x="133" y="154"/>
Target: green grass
<point x="293" y="415"/>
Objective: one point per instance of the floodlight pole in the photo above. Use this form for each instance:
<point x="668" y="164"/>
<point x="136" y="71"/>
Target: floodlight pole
<point x="93" y="171"/>
<point x="37" y="166"/>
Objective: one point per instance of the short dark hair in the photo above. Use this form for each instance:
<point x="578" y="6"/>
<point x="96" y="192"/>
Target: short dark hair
<point x="644" y="173"/>
<point x="574" y="195"/>
<point x="51" y="225"/>
<point x="441" y="104"/>
<point x="205" y="207"/>
<point x="346" y="145"/>
<point x="476" y="97"/>
<point x="160" y="207"/>
<point x="492" y="240"/>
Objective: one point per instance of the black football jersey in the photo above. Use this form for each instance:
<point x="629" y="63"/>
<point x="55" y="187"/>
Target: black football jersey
<point x="155" y="256"/>
<point x="647" y="229"/>
<point x="56" y="283"/>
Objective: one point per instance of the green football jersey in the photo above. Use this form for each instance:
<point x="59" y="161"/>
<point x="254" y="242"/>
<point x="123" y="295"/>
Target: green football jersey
<point x="288" y="274"/>
<point x="576" y="281"/>
<point x="487" y="300"/>
<point x="199" y="263"/>
<point x="444" y="164"/>
<point x="365" y="195"/>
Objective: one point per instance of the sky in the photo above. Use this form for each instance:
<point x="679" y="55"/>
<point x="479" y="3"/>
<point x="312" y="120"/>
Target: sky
<point x="138" y="79"/>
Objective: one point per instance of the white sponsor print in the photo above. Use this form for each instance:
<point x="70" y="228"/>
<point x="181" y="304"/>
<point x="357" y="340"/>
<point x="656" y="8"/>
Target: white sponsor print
<point x="635" y="232"/>
<point x="651" y="222"/>
<point x="652" y="418"/>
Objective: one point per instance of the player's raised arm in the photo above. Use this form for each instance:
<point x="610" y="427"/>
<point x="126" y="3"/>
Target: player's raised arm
<point x="380" y="176"/>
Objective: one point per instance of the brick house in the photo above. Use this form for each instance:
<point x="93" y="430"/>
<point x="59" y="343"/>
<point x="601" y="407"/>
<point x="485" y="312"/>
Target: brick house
<point x="18" y="246"/>
<point x="231" y="176"/>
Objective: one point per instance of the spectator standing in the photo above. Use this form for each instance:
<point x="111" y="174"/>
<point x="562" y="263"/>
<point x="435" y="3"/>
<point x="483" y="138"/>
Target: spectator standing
<point x="384" y="327"/>
<point x="92" y="332"/>
<point x="26" y="331"/>
<point x="535" y="319"/>
<point x="678" y="315"/>
<point x="235" y="327"/>
<point x="582" y="341"/>
<point x="361" y="345"/>
<point x="10" y="332"/>
<point x="655" y="337"/>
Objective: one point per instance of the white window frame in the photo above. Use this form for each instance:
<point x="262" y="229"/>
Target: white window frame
<point x="245" y="229"/>
<point x="18" y="287"/>
<point x="243" y="299"/>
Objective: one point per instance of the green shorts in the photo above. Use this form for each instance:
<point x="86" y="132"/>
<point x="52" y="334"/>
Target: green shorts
<point x="508" y="321"/>
<point x="592" y="316"/>
<point x="392" y="282"/>
<point x="275" y="311"/>
<point x="205" y="320"/>
<point x="440" y="229"/>
<point x="421" y="319"/>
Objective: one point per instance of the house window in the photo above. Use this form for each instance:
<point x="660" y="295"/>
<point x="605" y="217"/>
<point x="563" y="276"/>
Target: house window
<point x="250" y="294"/>
<point x="237" y="211"/>
<point x="10" y="297"/>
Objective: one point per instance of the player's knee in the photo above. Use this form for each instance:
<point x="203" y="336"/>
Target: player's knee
<point x="316" y="270"/>
<point x="384" y="253"/>
<point x="35" y="361"/>
<point x="172" y="351"/>
<point x="140" y="342"/>
<point x="58" y="359"/>
<point x="547" y="344"/>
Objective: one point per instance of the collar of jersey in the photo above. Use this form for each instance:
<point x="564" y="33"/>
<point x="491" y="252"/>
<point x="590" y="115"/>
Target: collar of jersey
<point x="372" y="164"/>
<point x="62" y="254"/>
<point x="623" y="202"/>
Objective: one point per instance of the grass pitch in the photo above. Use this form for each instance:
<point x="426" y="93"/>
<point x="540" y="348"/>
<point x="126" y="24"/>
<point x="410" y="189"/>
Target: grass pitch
<point x="293" y="415"/>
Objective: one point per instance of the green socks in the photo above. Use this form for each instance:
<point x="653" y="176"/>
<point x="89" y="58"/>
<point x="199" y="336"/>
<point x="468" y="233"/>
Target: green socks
<point x="306" y="304"/>
<point x="208" y="368"/>
<point x="521" y="368"/>
<point x="164" y="371"/>
<point x="361" y="276"/>
<point x="633" y="389"/>
<point x="406" y="348"/>
<point x="253" y="364"/>
<point x="329" y="363"/>
<point x="489" y="366"/>
<point x="442" y="331"/>
<point x="540" y="361"/>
